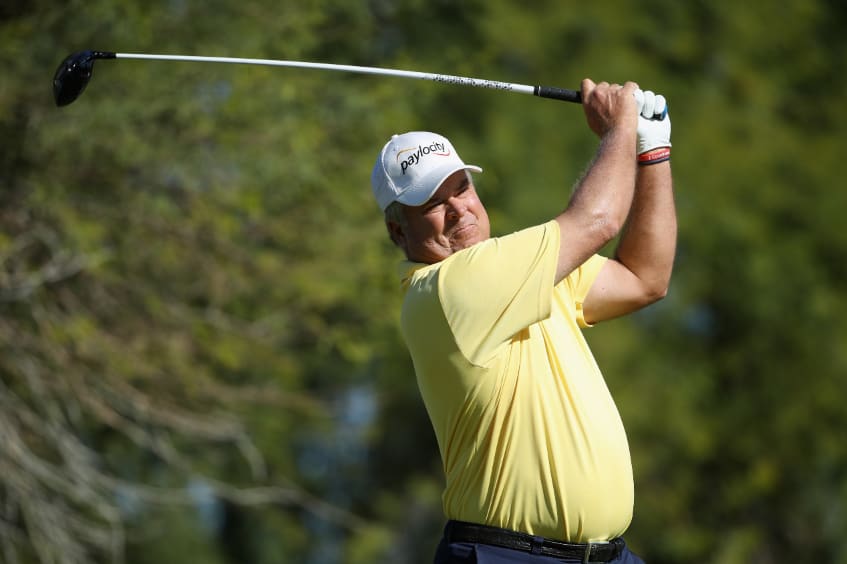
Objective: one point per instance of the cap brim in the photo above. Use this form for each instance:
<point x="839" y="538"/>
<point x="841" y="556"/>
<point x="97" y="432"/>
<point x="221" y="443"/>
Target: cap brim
<point x="419" y="194"/>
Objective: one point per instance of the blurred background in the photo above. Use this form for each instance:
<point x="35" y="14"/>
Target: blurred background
<point x="199" y="353"/>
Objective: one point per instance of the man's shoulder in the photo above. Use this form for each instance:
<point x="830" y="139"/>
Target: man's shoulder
<point x="410" y="272"/>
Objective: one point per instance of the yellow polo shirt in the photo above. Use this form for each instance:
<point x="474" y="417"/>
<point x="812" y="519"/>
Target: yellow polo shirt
<point x="529" y="435"/>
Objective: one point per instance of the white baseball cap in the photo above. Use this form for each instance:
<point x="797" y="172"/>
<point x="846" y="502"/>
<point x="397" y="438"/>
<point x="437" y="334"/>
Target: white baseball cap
<point x="412" y="166"/>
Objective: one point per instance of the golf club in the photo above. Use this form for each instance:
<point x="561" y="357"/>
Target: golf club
<point x="74" y="72"/>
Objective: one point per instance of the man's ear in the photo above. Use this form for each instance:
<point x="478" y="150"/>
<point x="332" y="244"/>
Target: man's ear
<point x="395" y="231"/>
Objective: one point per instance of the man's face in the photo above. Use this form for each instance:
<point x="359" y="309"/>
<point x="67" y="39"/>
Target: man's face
<point x="452" y="220"/>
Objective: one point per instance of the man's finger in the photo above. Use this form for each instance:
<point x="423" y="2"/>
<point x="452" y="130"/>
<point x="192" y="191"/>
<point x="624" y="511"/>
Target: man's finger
<point x="639" y="99"/>
<point x="647" y="110"/>
<point x="661" y="108"/>
<point x="586" y="87"/>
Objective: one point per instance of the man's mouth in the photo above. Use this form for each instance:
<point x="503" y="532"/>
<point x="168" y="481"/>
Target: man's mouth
<point x="463" y="231"/>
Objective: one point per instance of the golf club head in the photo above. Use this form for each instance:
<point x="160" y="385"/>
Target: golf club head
<point x="73" y="75"/>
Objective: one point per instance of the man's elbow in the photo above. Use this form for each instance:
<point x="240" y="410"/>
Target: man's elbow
<point x="605" y="226"/>
<point x="655" y="291"/>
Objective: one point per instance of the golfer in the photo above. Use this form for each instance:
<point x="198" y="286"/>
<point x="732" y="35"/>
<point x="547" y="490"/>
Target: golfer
<point x="535" y="456"/>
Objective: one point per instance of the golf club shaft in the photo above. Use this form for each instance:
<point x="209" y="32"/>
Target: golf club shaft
<point x="542" y="91"/>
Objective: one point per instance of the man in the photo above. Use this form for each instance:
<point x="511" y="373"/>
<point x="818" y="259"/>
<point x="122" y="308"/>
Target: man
<point x="535" y="455"/>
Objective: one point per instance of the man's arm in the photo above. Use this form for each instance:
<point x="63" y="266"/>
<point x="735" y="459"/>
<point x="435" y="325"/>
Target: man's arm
<point x="599" y="206"/>
<point x="640" y="272"/>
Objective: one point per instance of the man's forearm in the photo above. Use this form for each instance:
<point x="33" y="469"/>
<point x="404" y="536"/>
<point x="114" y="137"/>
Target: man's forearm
<point x="598" y="207"/>
<point x="648" y="242"/>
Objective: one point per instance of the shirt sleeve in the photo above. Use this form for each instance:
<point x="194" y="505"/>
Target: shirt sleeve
<point x="574" y="288"/>
<point x="493" y="290"/>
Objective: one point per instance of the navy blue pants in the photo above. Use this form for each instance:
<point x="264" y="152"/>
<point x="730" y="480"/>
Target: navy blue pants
<point x="474" y="553"/>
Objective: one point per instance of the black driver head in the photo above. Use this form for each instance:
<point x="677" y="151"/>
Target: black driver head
<point x="73" y="75"/>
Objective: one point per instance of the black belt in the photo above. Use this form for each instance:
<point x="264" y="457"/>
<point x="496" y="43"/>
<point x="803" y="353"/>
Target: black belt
<point x="459" y="531"/>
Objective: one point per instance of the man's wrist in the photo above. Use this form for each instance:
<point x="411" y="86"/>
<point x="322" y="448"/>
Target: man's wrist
<point x="654" y="156"/>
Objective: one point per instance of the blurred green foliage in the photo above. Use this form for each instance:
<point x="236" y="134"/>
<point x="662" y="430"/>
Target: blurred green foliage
<point x="200" y="240"/>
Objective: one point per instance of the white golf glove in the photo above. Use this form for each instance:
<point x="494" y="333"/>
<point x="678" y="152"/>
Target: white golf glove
<point x="654" y="128"/>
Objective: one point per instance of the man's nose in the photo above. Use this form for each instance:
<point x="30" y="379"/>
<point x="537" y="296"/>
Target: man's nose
<point x="456" y="207"/>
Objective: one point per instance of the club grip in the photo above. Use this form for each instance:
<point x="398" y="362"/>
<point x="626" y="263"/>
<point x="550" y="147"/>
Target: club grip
<point x="559" y="94"/>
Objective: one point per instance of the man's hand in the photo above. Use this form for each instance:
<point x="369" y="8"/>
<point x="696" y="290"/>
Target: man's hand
<point x="609" y="106"/>
<point x="654" y="123"/>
